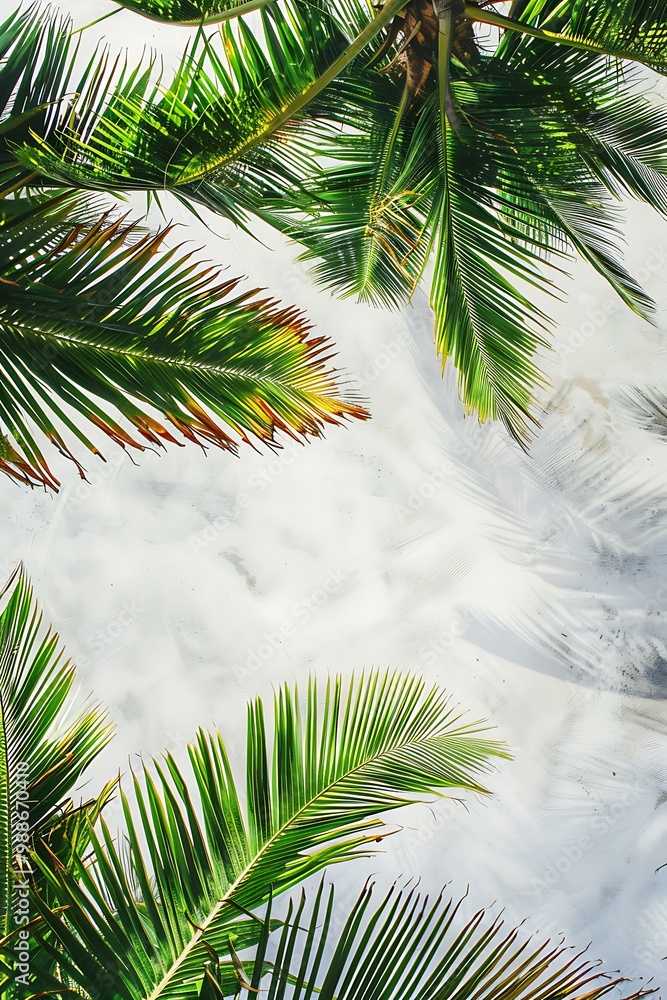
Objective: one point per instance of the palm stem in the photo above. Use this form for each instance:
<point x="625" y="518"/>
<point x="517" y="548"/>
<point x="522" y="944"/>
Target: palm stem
<point x="475" y="13"/>
<point x="445" y="38"/>
<point x="392" y="138"/>
<point x="389" y="11"/>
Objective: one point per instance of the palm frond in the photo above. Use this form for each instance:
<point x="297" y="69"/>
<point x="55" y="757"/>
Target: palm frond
<point x="365" y="231"/>
<point x="409" y="945"/>
<point x="43" y="750"/>
<point x="633" y="30"/>
<point x="36" y="64"/>
<point x="567" y="110"/>
<point x="215" y="133"/>
<point x="312" y="799"/>
<point x="491" y="203"/>
<point x="627" y="148"/>
<point x="96" y="320"/>
<point x="192" y="13"/>
<point x="483" y="320"/>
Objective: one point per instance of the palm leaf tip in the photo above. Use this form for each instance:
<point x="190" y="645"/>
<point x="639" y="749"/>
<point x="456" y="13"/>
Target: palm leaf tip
<point x="107" y="322"/>
<point x="408" y="944"/>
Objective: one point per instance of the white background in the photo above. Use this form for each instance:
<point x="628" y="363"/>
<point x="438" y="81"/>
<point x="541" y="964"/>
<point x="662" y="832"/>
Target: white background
<point x="540" y="580"/>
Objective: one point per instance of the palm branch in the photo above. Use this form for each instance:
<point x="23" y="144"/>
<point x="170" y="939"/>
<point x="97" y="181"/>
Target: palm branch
<point x="494" y="208"/>
<point x="98" y="320"/>
<point x="406" y="945"/>
<point x="634" y="30"/>
<point x="192" y="13"/>
<point x="219" y="132"/>
<point x="384" y="161"/>
<point x="44" y="751"/>
<point x="199" y="860"/>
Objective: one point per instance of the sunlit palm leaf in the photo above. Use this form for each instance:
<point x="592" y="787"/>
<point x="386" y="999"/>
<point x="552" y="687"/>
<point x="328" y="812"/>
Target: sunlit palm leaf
<point x="488" y="327"/>
<point x="495" y="207"/>
<point x="240" y="129"/>
<point x="211" y="133"/>
<point x="36" y="61"/>
<point x="571" y="110"/>
<point x="312" y="798"/>
<point x="628" y="29"/>
<point x="407" y="945"/>
<point x="637" y="28"/>
<point x="97" y="322"/>
<point x="36" y="693"/>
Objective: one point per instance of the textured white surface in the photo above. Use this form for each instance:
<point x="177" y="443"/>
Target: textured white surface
<point x="533" y="587"/>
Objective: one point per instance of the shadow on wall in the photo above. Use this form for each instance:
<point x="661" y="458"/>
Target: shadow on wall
<point x="580" y="523"/>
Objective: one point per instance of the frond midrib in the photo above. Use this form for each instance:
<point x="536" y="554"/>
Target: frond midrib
<point x="199" y="934"/>
<point x="159" y="359"/>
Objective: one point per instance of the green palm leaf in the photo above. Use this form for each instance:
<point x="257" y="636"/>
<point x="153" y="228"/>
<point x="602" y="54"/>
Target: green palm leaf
<point x="504" y="205"/>
<point x="98" y="319"/>
<point x="215" y="132"/>
<point x="284" y="121"/>
<point x="192" y="13"/>
<point x="223" y="131"/>
<point x="366" y="235"/>
<point x="628" y="29"/>
<point x="44" y="750"/>
<point x="635" y="28"/>
<point x="407" y="945"/>
<point x="482" y="320"/>
<point x="313" y="793"/>
<point x="490" y="202"/>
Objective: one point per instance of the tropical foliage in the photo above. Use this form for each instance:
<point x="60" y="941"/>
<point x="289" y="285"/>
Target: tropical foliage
<point x="409" y="945"/>
<point x="184" y="903"/>
<point x="396" y="140"/>
<point x="45" y="747"/>
<point x="99" y="321"/>
<point x="313" y="793"/>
